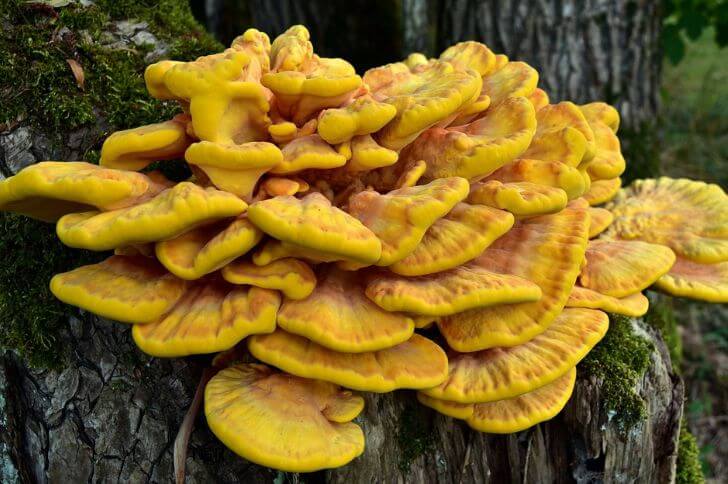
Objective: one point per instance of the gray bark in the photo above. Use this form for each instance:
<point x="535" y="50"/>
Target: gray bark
<point x="112" y="415"/>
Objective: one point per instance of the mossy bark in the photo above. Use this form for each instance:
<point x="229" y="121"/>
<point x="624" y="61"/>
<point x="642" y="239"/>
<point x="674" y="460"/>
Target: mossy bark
<point x="78" y="402"/>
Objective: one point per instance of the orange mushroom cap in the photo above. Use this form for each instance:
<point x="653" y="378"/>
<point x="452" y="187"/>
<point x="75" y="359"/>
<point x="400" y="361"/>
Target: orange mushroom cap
<point x="634" y="305"/>
<point x="292" y="277"/>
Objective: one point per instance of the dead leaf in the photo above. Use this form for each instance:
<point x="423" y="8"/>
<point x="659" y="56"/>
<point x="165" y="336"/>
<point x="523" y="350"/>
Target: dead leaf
<point x="77" y="72"/>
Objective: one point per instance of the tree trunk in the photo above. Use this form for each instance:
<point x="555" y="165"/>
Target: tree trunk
<point x="111" y="413"/>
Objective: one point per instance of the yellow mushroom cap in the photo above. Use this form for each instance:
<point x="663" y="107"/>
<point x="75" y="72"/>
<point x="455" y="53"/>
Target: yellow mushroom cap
<point x="208" y="248"/>
<point x="634" y="305"/>
<point x="367" y="154"/>
<point x="308" y="152"/>
<point x="476" y="149"/>
<point x="401" y="217"/>
<point x="130" y="289"/>
<point x="339" y="316"/>
<point x="519" y="198"/>
<point x="551" y="173"/>
<point x="51" y="189"/>
<point x="514" y="79"/>
<point x="566" y="145"/>
<point x="566" y="114"/>
<point x="608" y="161"/>
<point x="134" y="149"/>
<point x="416" y="363"/>
<point x="211" y="316"/>
<point x="539" y="98"/>
<point x="524" y="411"/>
<point x="600" y="219"/>
<point x="603" y="112"/>
<point x="274" y="250"/>
<point x="292" y="49"/>
<point x="283" y="421"/>
<point x="458" y="237"/>
<point x="620" y="268"/>
<point x="470" y="55"/>
<point x="234" y="168"/>
<point x="292" y="277"/>
<point x="498" y="373"/>
<point x="602" y="191"/>
<point x="707" y="282"/>
<point x="169" y="214"/>
<point x="449" y="292"/>
<point x="422" y="98"/>
<point x="547" y="250"/>
<point x="312" y="222"/>
<point x="511" y="414"/>
<point x="364" y="115"/>
<point x="689" y="217"/>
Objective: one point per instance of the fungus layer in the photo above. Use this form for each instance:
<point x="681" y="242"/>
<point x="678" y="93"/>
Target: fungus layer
<point x="283" y="421"/>
<point x="634" y="305"/>
<point x="292" y="277"/>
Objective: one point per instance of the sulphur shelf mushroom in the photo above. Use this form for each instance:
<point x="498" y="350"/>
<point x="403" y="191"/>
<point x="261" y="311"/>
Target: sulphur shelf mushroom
<point x="433" y="224"/>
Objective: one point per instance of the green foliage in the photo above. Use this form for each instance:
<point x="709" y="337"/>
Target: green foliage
<point x="414" y="435"/>
<point x="38" y="88"/>
<point x="689" y="18"/>
<point x="689" y="470"/>
<point x="662" y="317"/>
<point x="620" y="360"/>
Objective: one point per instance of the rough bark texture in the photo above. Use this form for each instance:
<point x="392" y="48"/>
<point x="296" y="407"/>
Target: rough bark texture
<point x="112" y="415"/>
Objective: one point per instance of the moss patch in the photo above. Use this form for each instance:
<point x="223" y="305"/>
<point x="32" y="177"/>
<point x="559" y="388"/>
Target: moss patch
<point x="689" y="470"/>
<point x="414" y="434"/>
<point x="38" y="89"/>
<point x="620" y="360"/>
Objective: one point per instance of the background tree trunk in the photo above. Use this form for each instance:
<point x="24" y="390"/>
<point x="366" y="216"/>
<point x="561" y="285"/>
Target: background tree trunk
<point x="111" y="413"/>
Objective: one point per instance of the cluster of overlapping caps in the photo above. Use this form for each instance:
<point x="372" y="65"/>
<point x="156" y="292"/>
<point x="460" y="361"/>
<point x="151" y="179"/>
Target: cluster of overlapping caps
<point x="330" y="215"/>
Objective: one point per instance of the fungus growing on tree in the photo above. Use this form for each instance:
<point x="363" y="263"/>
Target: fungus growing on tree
<point x="331" y="217"/>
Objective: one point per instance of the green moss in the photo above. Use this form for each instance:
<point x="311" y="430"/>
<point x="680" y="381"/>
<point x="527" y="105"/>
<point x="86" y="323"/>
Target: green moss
<point x="619" y="360"/>
<point x="38" y="88"/>
<point x="689" y="470"/>
<point x="414" y="434"/>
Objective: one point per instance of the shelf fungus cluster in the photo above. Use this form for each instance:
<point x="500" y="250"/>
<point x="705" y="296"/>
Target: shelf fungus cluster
<point x="428" y="225"/>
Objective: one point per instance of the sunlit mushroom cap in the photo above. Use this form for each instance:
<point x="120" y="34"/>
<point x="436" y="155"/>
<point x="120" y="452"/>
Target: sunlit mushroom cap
<point x="522" y="199"/>
<point x="634" y="305"/>
<point x="401" y="217"/>
<point x="292" y="277"/>
<point x="600" y="219"/>
<point x="131" y="289"/>
<point x="566" y="114"/>
<point x="498" y="373"/>
<point x="283" y="421"/>
<point x="367" y="154"/>
<point x="274" y="250"/>
<point x="608" y="161"/>
<point x="312" y="222"/>
<point x="602" y="191"/>
<point x="234" y="168"/>
<point x="458" y="237"/>
<point x="422" y="98"/>
<point x="364" y="115"/>
<point x="339" y="316"/>
<point x="603" y="112"/>
<point x="51" y="189"/>
<point x="546" y="250"/>
<point x="211" y="316"/>
<point x="169" y="214"/>
<point x="470" y="55"/>
<point x="257" y="45"/>
<point x="620" y="268"/>
<point x="539" y="98"/>
<point x="308" y="152"/>
<point x="566" y="145"/>
<point x="476" y="149"/>
<point x="134" y="149"/>
<point x="226" y="100"/>
<point x="689" y="217"/>
<point x="416" y="363"/>
<point x="512" y="414"/>
<point x="292" y="49"/>
<point x="449" y="292"/>
<point x="514" y="79"/>
<point x="551" y="173"/>
<point x="707" y="282"/>
<point x="208" y="248"/>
